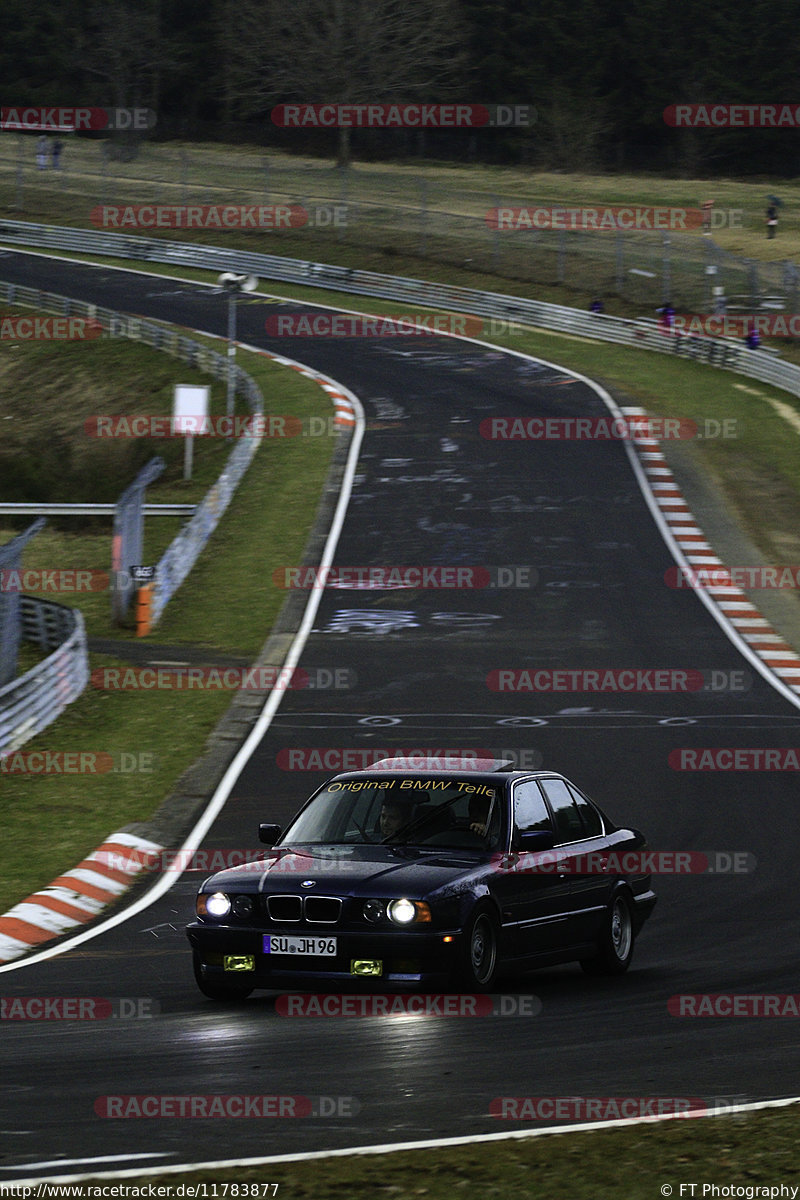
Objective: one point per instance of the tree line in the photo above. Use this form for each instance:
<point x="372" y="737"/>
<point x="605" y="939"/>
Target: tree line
<point x="599" y="76"/>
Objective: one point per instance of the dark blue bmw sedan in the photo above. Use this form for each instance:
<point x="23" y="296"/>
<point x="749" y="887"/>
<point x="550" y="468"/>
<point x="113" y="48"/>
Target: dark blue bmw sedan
<point x="401" y="876"/>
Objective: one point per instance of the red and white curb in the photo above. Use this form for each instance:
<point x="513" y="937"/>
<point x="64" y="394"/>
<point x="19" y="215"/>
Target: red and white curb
<point x="732" y="602"/>
<point x="344" y="414"/>
<point x="75" y="897"/>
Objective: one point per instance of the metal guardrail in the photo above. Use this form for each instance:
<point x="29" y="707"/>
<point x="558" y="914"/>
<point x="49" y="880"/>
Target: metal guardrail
<point x="30" y="703"/>
<point x="32" y="509"/>
<point x="417" y="292"/>
<point x="33" y="701"/>
<point x="182" y="553"/>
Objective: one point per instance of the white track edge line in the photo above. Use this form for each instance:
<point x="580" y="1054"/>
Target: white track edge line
<point x="399" y="1147"/>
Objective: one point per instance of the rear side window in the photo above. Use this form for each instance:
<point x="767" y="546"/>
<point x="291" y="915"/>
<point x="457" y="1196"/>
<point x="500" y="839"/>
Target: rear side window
<point x="569" y="826"/>
<point x="530" y="810"/>
<point x="592" y="821"/>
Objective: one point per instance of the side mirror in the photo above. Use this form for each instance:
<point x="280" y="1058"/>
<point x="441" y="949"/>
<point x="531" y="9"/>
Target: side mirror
<point x="537" y="839"/>
<point x="269" y="834"/>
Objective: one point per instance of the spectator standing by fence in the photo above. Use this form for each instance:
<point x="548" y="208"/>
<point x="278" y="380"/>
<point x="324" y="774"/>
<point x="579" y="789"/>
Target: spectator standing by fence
<point x="666" y="317"/>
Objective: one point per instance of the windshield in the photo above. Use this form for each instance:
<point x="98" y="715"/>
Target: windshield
<point x="403" y="811"/>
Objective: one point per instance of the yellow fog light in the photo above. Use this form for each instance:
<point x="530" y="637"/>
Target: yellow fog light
<point x="366" y="966"/>
<point x="239" y="962"/>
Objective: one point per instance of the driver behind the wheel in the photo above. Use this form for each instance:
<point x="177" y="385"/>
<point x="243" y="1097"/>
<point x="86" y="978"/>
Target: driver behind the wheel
<point x="394" y="815"/>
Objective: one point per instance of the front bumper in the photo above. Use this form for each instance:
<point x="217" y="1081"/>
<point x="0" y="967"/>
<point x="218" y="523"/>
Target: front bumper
<point x="421" y="958"/>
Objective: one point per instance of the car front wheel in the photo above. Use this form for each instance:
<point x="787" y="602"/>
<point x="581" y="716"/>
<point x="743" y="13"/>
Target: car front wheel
<point x="615" y="944"/>
<point x="480" y="952"/>
<point x="221" y="989"/>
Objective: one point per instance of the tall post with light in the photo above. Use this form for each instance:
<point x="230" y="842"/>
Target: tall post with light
<point x="234" y="285"/>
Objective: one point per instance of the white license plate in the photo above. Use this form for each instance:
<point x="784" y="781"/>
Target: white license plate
<point x="324" y="947"/>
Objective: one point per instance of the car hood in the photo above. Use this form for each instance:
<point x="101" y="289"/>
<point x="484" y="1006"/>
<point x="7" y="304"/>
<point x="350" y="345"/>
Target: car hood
<point x="356" y="870"/>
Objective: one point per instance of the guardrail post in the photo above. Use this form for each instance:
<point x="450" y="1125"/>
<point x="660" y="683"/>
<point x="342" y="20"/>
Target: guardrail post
<point x="10" y="600"/>
<point x="126" y="544"/>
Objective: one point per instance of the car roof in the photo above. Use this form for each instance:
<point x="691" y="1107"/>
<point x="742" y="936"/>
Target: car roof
<point x="486" y="770"/>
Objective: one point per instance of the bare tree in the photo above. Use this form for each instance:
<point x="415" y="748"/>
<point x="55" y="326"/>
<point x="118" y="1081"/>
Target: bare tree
<point x="119" y="42"/>
<point x="340" y="52"/>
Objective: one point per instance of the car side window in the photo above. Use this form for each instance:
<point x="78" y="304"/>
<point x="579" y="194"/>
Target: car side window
<point x="592" y="821"/>
<point x="530" y="810"/>
<point x="569" y="826"/>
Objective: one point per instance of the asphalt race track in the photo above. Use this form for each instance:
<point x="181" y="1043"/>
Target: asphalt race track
<point x="431" y="490"/>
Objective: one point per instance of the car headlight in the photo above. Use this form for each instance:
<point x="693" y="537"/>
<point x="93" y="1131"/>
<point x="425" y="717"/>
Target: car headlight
<point x="215" y="905"/>
<point x="405" y="912"/>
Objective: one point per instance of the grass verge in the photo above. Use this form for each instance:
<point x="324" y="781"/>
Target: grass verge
<point x="389" y="231"/>
<point x="744" y="1151"/>
<point x="227" y="605"/>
